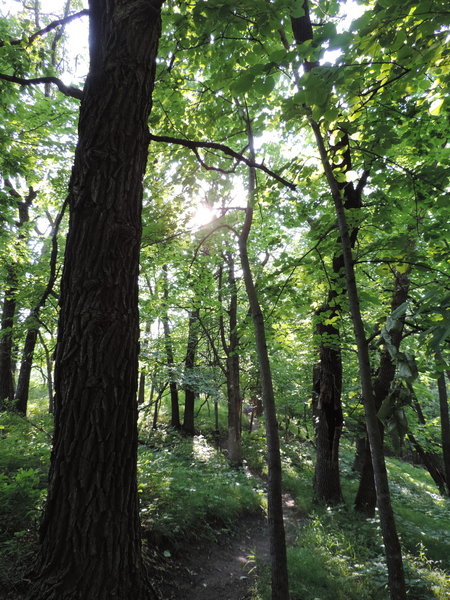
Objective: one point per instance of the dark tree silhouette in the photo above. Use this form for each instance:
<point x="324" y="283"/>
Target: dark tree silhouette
<point x="90" y="533"/>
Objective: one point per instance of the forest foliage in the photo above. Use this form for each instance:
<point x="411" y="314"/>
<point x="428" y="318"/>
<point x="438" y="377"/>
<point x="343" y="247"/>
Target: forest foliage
<point x="254" y="123"/>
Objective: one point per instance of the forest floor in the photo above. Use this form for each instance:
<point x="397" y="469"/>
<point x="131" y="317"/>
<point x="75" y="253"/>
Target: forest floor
<point x="226" y="569"/>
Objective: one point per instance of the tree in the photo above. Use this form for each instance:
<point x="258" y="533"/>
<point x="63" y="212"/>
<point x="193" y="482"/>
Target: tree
<point x="280" y="583"/>
<point x="365" y="500"/>
<point x="7" y="386"/>
<point x="31" y="336"/>
<point x="90" y="538"/>
<point x="233" y="371"/>
<point x="175" y="410"/>
<point x="445" y="426"/>
<point x="189" y="362"/>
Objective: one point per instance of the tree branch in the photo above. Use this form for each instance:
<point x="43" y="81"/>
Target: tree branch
<point x="49" y="27"/>
<point x="67" y="90"/>
<point x="193" y="145"/>
<point x="219" y="360"/>
<point x="393" y="261"/>
<point x="210" y="168"/>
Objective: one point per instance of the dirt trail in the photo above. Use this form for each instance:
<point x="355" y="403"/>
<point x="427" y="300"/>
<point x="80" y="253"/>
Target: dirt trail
<point x="225" y="570"/>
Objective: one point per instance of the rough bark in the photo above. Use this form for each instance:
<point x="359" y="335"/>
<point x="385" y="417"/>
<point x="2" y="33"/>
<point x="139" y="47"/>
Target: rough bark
<point x="90" y="533"/>
<point x="189" y="390"/>
<point x="174" y="401"/>
<point x="279" y="572"/>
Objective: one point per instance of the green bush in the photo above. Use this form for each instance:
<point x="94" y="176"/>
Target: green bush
<point x="24" y="444"/>
<point x="24" y="456"/>
<point x="20" y="496"/>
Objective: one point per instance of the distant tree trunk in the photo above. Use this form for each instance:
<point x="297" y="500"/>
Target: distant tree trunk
<point x="327" y="414"/>
<point x="365" y="500"/>
<point x="327" y="384"/>
<point x="90" y="533"/>
<point x="189" y="389"/>
<point x="142" y="358"/>
<point x="388" y="526"/>
<point x="174" y="401"/>
<point x="48" y="362"/>
<point x="155" y="414"/>
<point x="7" y="363"/>
<point x="429" y="460"/>
<point x="280" y="583"/>
<point x="445" y="428"/>
<point x="233" y="372"/>
<point x="6" y="342"/>
<point x="23" y="383"/>
<point x="141" y="388"/>
<point x="430" y="463"/>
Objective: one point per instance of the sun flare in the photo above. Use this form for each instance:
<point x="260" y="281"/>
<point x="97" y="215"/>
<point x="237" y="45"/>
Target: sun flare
<point x="203" y="215"/>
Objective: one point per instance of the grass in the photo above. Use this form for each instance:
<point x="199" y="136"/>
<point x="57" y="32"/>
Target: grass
<point x="339" y="553"/>
<point x="188" y="492"/>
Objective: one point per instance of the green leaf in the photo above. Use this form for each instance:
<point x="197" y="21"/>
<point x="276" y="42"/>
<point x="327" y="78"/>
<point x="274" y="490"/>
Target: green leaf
<point x="407" y="368"/>
<point x="298" y="10"/>
<point x="243" y="83"/>
<point x="435" y="107"/>
<point x="264" y="86"/>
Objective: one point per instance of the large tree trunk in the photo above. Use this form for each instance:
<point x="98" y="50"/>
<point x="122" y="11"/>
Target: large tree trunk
<point x="90" y="533"/>
<point x="327" y="384"/>
<point x="327" y="378"/>
<point x="189" y="389"/>
<point x="278" y="558"/>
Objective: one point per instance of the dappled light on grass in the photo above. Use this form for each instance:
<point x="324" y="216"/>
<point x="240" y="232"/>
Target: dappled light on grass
<point x="418" y="483"/>
<point x="189" y="491"/>
<point x="202" y="450"/>
<point x="423" y="515"/>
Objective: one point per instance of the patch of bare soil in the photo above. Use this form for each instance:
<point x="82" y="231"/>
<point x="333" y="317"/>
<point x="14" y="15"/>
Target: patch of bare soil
<point x="225" y="570"/>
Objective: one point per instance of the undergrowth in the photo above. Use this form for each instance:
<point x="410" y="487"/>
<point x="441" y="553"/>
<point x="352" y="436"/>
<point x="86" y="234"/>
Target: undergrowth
<point x="188" y="490"/>
<point x="188" y="493"/>
<point x="338" y="554"/>
<point x="24" y="455"/>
